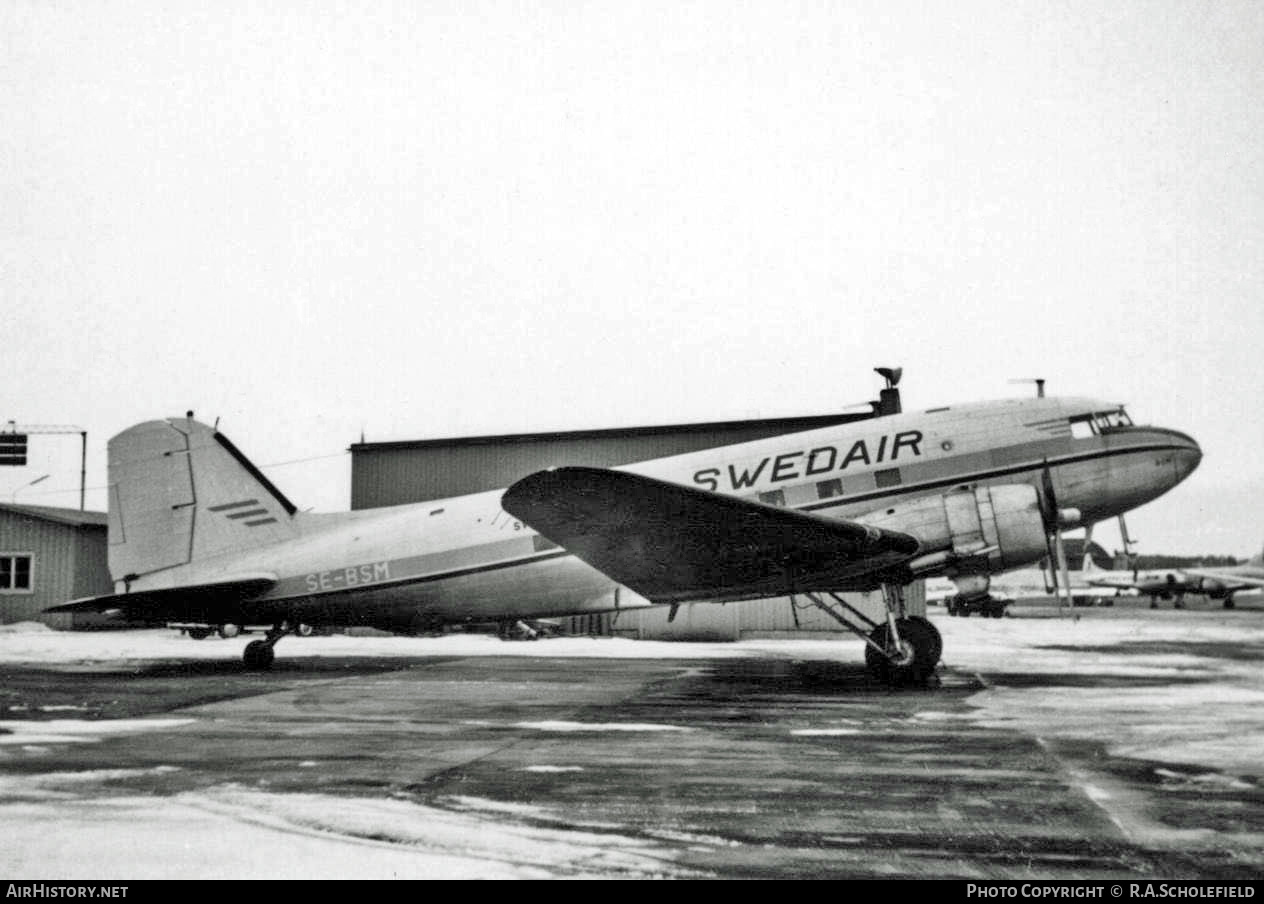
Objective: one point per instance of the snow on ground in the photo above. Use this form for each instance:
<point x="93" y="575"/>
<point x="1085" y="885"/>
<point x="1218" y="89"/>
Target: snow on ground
<point x="78" y="731"/>
<point x="1184" y="689"/>
<point x="87" y="647"/>
<point x="1140" y="673"/>
<point x="241" y="833"/>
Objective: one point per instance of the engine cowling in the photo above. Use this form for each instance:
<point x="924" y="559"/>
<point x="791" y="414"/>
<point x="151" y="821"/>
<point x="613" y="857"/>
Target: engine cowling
<point x="1213" y="588"/>
<point x="971" y="531"/>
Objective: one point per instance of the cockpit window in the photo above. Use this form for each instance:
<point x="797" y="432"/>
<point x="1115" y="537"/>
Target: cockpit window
<point x="1112" y="420"/>
<point x="1082" y="427"/>
<point x="1086" y="425"/>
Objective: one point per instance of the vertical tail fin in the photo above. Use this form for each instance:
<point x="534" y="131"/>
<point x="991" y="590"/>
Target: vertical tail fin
<point x="180" y="491"/>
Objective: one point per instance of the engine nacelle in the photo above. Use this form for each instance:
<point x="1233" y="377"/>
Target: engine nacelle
<point x="972" y="587"/>
<point x="1213" y="588"/>
<point x="980" y="531"/>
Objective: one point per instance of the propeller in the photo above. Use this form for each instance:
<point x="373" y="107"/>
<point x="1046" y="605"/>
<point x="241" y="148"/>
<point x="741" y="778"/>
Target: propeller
<point x="1053" y="534"/>
<point x="1128" y="541"/>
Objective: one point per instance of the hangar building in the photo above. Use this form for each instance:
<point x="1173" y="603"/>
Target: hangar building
<point x="394" y="473"/>
<point x="49" y="556"/>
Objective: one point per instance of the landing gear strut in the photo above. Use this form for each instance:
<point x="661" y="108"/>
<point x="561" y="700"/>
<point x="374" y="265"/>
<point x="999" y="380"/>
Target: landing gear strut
<point x="902" y="651"/>
<point x="258" y="655"/>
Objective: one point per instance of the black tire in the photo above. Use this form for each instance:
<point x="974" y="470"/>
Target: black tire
<point x="258" y="655"/>
<point x="920" y="637"/>
<point x="199" y="633"/>
<point x="1228" y="602"/>
<point x="938" y="648"/>
<point x="997" y="612"/>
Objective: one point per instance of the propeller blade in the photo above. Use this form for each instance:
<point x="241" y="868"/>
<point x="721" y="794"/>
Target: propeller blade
<point x="1062" y="567"/>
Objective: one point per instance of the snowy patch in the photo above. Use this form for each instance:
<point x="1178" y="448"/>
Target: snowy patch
<point x="75" y="731"/>
<point x="163" y="645"/>
<point x="810" y="732"/>
<point x="552" y="769"/>
<point x="562" y="726"/>
<point x="26" y="627"/>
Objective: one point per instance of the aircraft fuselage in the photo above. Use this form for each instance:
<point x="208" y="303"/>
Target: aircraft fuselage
<point x="465" y="558"/>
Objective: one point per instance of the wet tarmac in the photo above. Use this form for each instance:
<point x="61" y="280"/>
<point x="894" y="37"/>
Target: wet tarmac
<point x="760" y="764"/>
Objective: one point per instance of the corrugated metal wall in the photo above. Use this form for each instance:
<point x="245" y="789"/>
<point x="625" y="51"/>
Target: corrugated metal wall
<point x="771" y="618"/>
<point x="66" y="561"/>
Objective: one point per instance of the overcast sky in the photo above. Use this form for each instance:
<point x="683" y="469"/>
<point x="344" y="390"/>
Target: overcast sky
<point x="427" y="219"/>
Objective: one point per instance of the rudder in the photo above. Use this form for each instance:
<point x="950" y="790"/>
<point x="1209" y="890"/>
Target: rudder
<point x="180" y="491"/>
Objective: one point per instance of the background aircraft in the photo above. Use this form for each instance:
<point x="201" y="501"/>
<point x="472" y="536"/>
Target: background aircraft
<point x="961" y="598"/>
<point x="1219" y="583"/>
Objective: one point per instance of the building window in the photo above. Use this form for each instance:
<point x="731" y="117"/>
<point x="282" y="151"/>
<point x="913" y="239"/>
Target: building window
<point x="775" y="497"/>
<point x="827" y="489"/>
<point x="15" y="574"/>
<point x="888" y="478"/>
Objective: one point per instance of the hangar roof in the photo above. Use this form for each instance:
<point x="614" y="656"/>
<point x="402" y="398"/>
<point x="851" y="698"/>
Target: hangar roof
<point x="785" y="424"/>
<point x="73" y="517"/>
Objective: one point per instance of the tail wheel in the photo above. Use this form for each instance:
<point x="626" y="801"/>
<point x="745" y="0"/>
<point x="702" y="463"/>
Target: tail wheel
<point x="229" y="630"/>
<point x="913" y="661"/>
<point x="303" y="630"/>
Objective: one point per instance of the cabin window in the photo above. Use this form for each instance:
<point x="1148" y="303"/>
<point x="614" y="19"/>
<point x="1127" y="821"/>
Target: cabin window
<point x="1082" y="427"/>
<point x="15" y="574"/>
<point x="887" y="478"/>
<point x="775" y="497"/>
<point x="828" y="489"/>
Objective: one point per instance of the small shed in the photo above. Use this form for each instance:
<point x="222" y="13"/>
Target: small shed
<point x="49" y="556"/>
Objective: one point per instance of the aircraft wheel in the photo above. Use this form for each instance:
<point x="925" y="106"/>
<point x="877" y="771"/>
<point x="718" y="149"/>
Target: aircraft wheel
<point x="229" y="630"/>
<point x="913" y="663"/>
<point x="258" y="655"/>
<point x="199" y="633"/>
<point x="998" y="612"/>
<point x="303" y="630"/>
<point x="938" y="647"/>
<point x="1228" y="602"/>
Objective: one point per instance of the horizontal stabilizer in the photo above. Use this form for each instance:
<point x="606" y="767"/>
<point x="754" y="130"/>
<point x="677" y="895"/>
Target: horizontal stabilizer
<point x="672" y="543"/>
<point x="213" y="602"/>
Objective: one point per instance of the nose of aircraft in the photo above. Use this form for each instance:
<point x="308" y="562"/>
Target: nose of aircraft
<point x="1187" y="458"/>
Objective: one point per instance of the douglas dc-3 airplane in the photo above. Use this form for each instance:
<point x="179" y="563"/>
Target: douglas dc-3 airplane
<point x="198" y="534"/>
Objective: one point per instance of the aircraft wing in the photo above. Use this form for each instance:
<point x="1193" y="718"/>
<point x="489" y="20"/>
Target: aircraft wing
<point x="673" y="543"/>
<point x="209" y="602"/>
<point x="1229" y="578"/>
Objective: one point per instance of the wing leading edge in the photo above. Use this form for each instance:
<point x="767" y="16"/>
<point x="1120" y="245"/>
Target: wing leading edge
<point x="673" y="543"/>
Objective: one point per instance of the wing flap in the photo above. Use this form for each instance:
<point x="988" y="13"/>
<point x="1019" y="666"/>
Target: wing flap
<point x="673" y="543"/>
<point x="207" y="602"/>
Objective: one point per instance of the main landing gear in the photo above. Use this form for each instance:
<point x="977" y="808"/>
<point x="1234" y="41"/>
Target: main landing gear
<point x="902" y="651"/>
<point x="258" y="655"/>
